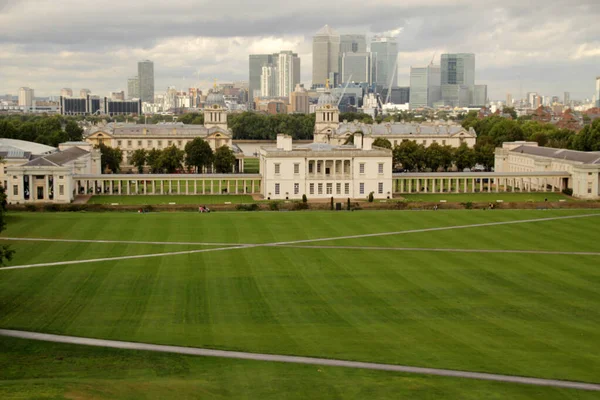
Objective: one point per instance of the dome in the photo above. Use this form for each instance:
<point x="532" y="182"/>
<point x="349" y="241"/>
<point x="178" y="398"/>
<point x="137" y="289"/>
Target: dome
<point x="327" y="99"/>
<point x="215" y="98"/>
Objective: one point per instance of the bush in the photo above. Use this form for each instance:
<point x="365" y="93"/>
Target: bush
<point x="304" y="199"/>
<point x="348" y="205"/>
<point x="300" y="206"/>
<point x="370" y="197"/>
<point x="468" y="205"/>
<point x="568" y="192"/>
<point x="247" y="207"/>
<point x="30" y="207"/>
<point x="51" y="207"/>
<point x="274" y="206"/>
<point x="331" y="204"/>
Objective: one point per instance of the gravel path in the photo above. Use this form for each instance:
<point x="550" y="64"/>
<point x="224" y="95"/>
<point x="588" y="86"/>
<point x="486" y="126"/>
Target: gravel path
<point x="297" y="360"/>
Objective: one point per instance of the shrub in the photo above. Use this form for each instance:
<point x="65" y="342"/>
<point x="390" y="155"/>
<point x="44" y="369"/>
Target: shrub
<point x="247" y="207"/>
<point x="468" y="205"/>
<point x="300" y="206"/>
<point x="274" y="206"/>
<point x="51" y="207"/>
<point x="568" y="192"/>
<point x="370" y="197"/>
<point x="304" y="199"/>
<point x="30" y="207"/>
<point x="331" y="204"/>
<point x="348" y="205"/>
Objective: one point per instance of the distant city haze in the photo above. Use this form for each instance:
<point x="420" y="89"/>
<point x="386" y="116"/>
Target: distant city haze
<point x="548" y="47"/>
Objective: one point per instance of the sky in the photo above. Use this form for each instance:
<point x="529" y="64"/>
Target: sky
<point x="548" y="46"/>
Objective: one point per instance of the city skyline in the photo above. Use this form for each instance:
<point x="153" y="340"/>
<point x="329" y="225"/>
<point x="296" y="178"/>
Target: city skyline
<point x="552" y="50"/>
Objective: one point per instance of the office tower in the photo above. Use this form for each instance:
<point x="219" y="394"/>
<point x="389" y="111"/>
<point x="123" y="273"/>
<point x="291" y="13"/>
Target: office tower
<point x="66" y="92"/>
<point x="357" y="67"/>
<point x="299" y="100"/>
<point x="386" y="50"/>
<point x="425" y="86"/>
<point x="509" y="100"/>
<point x="25" y="97"/>
<point x="146" y="81"/>
<point x="555" y="99"/>
<point x="353" y="44"/>
<point x="133" y="88"/>
<point x="531" y="98"/>
<point x="479" y="95"/>
<point x="398" y="95"/>
<point x="255" y="64"/>
<point x="288" y="72"/>
<point x="598" y="91"/>
<point x="83" y="93"/>
<point x="458" y="69"/>
<point x="567" y="98"/>
<point x="117" y="95"/>
<point x="268" y="81"/>
<point x="326" y="51"/>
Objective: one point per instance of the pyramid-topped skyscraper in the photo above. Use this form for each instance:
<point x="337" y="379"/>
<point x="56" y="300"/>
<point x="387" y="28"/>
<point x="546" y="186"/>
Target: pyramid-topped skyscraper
<point x="326" y="53"/>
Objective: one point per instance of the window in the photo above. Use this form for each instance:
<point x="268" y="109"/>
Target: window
<point x="119" y="143"/>
<point x="380" y="188"/>
<point x="170" y="142"/>
<point x="361" y="168"/>
<point x="277" y="169"/>
<point x="310" y="168"/>
<point x="139" y="143"/>
<point x="380" y="168"/>
<point x="149" y="143"/>
<point x="443" y="142"/>
<point x="361" y="187"/>
<point x="179" y="143"/>
<point x="296" y="169"/>
<point x="296" y="188"/>
<point x="311" y="188"/>
<point x="346" y="188"/>
<point x="15" y="190"/>
<point x="329" y="188"/>
<point x="318" y="167"/>
<point x="277" y="188"/>
<point x="320" y="188"/>
<point x="61" y="177"/>
<point x="129" y="143"/>
<point x="338" y="188"/>
<point x="61" y="190"/>
<point x="160" y="143"/>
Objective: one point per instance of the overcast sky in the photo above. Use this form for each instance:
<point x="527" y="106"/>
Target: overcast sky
<point x="548" y="46"/>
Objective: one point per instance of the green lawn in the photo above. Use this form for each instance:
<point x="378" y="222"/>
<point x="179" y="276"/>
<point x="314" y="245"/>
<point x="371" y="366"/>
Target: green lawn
<point x="39" y="370"/>
<point x="486" y="197"/>
<point x="510" y="313"/>
<point x="167" y="199"/>
<point x="251" y="165"/>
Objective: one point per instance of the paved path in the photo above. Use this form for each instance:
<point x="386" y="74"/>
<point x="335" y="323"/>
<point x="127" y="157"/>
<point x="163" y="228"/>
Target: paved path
<point x="18" y="239"/>
<point x="232" y="246"/>
<point x="296" y="360"/>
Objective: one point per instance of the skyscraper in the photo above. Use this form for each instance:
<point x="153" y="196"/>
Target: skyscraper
<point x="458" y="69"/>
<point x="509" y="100"/>
<point x="83" y="93"/>
<point x="598" y="91"/>
<point x="288" y="72"/>
<point x="146" y="81"/>
<point x="353" y="43"/>
<point x="255" y="64"/>
<point x="326" y="52"/>
<point x="25" y="97"/>
<point x="268" y="81"/>
<point x="66" y="92"/>
<point x="386" y="49"/>
<point x="567" y="99"/>
<point x="357" y="67"/>
<point x="299" y="100"/>
<point x="133" y="88"/>
<point x="425" y="88"/>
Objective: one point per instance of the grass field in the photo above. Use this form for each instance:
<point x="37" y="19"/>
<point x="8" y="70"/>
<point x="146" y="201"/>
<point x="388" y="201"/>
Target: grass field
<point x="486" y="197"/>
<point x="177" y="199"/>
<point x="251" y="165"/>
<point x="509" y="313"/>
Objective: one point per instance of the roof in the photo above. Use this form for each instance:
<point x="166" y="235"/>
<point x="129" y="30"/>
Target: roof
<point x="180" y="129"/>
<point x="33" y="148"/>
<point x="10" y="152"/>
<point x="583" y="157"/>
<point x="474" y="174"/>
<point x="402" y="129"/>
<point x="326" y="30"/>
<point x="57" y="159"/>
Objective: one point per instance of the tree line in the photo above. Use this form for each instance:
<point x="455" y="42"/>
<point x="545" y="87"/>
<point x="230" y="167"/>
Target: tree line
<point x="197" y="157"/>
<point x="48" y="130"/>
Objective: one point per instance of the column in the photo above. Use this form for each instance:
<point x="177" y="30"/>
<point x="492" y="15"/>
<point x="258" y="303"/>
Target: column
<point x="433" y="185"/>
<point x="203" y="186"/>
<point x="195" y="186"/>
<point x="111" y="187"/>
<point x="497" y="183"/>
<point x="236" y="186"/>
<point x="162" y="186"/>
<point x="220" y="188"/>
<point x="545" y="185"/>
<point x="457" y="185"/>
<point x="128" y="186"/>
<point x="187" y="185"/>
<point x="170" y="186"/>
<point x="137" y="187"/>
<point x="480" y="185"/>
<point x="489" y="188"/>
<point x="102" y="186"/>
<point x="426" y="184"/>
<point x="153" y="186"/>
<point x="410" y="186"/>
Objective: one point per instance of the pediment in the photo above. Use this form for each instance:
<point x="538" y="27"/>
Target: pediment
<point x="463" y="133"/>
<point x="100" y="135"/>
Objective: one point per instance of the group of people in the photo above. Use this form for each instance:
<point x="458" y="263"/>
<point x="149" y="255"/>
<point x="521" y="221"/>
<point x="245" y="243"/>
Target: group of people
<point x="203" y="209"/>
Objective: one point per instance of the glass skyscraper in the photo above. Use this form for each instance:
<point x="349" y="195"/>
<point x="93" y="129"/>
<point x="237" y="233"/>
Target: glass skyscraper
<point x="146" y="81"/>
<point x="326" y="55"/>
<point x="386" y="50"/>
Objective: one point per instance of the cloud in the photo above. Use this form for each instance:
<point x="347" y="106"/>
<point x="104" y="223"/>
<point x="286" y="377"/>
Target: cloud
<point x="520" y="46"/>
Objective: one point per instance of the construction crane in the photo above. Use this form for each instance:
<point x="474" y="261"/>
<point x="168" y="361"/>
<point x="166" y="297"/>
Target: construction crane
<point x="344" y="91"/>
<point x="389" y="92"/>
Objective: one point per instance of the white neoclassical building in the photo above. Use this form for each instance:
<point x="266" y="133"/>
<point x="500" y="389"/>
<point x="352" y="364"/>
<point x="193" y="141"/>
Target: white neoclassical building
<point x="49" y="178"/>
<point x="131" y="137"/>
<point x="581" y="167"/>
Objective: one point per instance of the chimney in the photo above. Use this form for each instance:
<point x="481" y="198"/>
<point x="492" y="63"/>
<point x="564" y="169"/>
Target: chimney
<point x="284" y="142"/>
<point x="367" y="143"/>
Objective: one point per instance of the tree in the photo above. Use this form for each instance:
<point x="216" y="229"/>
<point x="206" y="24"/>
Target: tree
<point x="511" y="111"/>
<point x="198" y="154"/>
<point x="382" y="142"/>
<point x="224" y="160"/>
<point x="506" y="131"/>
<point x="435" y="156"/>
<point x="74" y="131"/>
<point x="409" y="154"/>
<point x="6" y="253"/>
<point x="464" y="157"/>
<point x="170" y="160"/>
<point x="484" y="152"/>
<point x="588" y="139"/>
<point x="152" y="159"/>
<point x="139" y="158"/>
<point x="110" y="158"/>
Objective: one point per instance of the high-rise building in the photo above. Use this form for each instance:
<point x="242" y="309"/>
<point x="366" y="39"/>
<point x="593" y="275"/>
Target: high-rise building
<point x="25" y="97"/>
<point x="398" y="95"/>
<point x="117" y="95"/>
<point x="299" y="100"/>
<point x="268" y="81"/>
<point x="458" y="69"/>
<point x="358" y="67"/>
<point x="598" y="91"/>
<point x="288" y="72"/>
<point x="353" y="43"/>
<point x="509" y="100"/>
<point x="326" y="52"/>
<point x="146" y="81"/>
<point x="567" y="99"/>
<point x="479" y="95"/>
<point x="386" y="49"/>
<point x="425" y="86"/>
<point x="255" y="64"/>
<point x="133" y="88"/>
<point x="66" y="92"/>
<point x="84" y="92"/>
